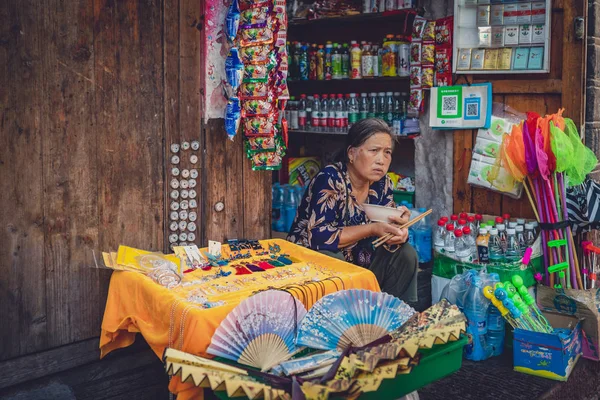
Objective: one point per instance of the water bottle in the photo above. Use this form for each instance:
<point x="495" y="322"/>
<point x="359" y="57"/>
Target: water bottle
<point x="470" y="240"/>
<point x="439" y="235"/>
<point x="502" y="235"/>
<point x="478" y="221"/>
<point x="471" y="226"/>
<point x="381" y="106"/>
<point x="521" y="221"/>
<point x="495" y="252"/>
<point x="389" y="108"/>
<point x="461" y="247"/>
<point x="315" y="116"/>
<point x="450" y="240"/>
<point x="512" y="225"/>
<point x="302" y="112"/>
<point x="289" y="207"/>
<point x="309" y="104"/>
<point x="340" y="109"/>
<point x="324" y="115"/>
<point x="363" y="107"/>
<point x="372" y="111"/>
<point x="423" y="238"/>
<point x="476" y="311"/>
<point x="521" y="239"/>
<point x="529" y="234"/>
<point x="299" y="191"/>
<point x="277" y="223"/>
<point x="331" y="113"/>
<point x="513" y="251"/>
<point x="535" y="227"/>
<point x="353" y="110"/>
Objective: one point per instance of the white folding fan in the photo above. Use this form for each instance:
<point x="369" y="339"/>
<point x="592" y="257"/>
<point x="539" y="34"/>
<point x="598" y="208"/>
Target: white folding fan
<point x="352" y="318"/>
<point x="260" y="331"/>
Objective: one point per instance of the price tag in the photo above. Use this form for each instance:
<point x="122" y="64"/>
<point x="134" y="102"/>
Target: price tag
<point x="193" y="254"/>
<point x="214" y="248"/>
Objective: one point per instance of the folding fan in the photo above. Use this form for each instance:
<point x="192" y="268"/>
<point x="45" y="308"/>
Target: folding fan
<point x="352" y="318"/>
<point x="260" y="331"/>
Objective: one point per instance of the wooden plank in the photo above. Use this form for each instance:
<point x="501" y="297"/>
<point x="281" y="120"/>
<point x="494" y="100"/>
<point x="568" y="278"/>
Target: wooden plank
<point x="70" y="174"/>
<point x="257" y="202"/>
<point x="556" y="44"/>
<point x="463" y="150"/>
<point x="58" y="359"/>
<point x="22" y="286"/>
<point x="573" y="63"/>
<point x="525" y="85"/>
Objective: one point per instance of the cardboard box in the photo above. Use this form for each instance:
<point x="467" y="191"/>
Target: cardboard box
<point x="583" y="304"/>
<point x="549" y="355"/>
<point x="524" y="13"/>
<point x="538" y="12"/>
<point x="511" y="13"/>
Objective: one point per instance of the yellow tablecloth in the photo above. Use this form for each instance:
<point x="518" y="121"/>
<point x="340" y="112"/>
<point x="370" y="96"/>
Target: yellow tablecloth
<point x="165" y="318"/>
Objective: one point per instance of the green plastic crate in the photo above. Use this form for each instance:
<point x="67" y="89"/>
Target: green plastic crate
<point x="447" y="267"/>
<point x="400" y="196"/>
<point x="436" y="363"/>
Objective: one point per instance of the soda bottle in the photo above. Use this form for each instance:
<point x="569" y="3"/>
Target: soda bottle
<point x="293" y="122"/>
<point x="375" y="58"/>
<point x="495" y="247"/>
<point x="304" y="63"/>
<point x="521" y="239"/>
<point x="355" y="61"/>
<point x="513" y="251"/>
<point x="482" y="246"/>
<point x="320" y="63"/>
<point x="353" y="110"/>
<point x="502" y="235"/>
<point x="529" y="234"/>
<point x="315" y="117"/>
<point x="312" y="62"/>
<point x="439" y="235"/>
<point x="367" y="62"/>
<point x="324" y="114"/>
<point x="381" y="105"/>
<point x="302" y="112"/>
<point x="462" y="250"/>
<point x="331" y="113"/>
<point x="363" y="107"/>
<point x="372" y="105"/>
<point x="296" y="59"/>
<point x="389" y="108"/>
<point x="450" y="240"/>
<point x="328" y="61"/>
<point x="336" y="61"/>
<point x="345" y="61"/>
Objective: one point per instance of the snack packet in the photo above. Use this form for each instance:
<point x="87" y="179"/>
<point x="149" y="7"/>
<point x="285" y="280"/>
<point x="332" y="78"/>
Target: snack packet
<point x="232" y="21"/>
<point x="234" y="69"/>
<point x="232" y="117"/>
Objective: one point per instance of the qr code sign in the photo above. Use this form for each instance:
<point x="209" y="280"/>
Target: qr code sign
<point x="449" y="105"/>
<point x="472" y="110"/>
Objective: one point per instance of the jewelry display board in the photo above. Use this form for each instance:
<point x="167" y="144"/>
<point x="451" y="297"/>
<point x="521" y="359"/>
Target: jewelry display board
<point x="501" y="37"/>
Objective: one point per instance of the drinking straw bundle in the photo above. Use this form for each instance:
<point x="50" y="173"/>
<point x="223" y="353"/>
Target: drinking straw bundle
<point x="547" y="154"/>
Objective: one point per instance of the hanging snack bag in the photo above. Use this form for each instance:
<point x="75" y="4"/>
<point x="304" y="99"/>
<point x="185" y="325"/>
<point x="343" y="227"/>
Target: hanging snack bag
<point x="257" y="73"/>
<point x="254" y="90"/>
<point x="443" y="31"/>
<point x="266" y="161"/>
<point x="416" y="97"/>
<point x="232" y="117"/>
<point x="255" y="54"/>
<point x="263" y="125"/>
<point x="232" y="21"/>
<point x="415" y="53"/>
<point x="256" y="107"/>
<point x="428" y="53"/>
<point x="443" y="72"/>
<point x="254" y="17"/>
<point x="415" y="76"/>
<point x="260" y="145"/>
<point x="234" y="69"/>
<point x="418" y="28"/>
<point x="256" y="36"/>
<point x="427" y="78"/>
<point x="429" y="32"/>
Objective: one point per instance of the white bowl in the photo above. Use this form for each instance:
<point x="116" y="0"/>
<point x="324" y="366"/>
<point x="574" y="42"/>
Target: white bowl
<point x="380" y="213"/>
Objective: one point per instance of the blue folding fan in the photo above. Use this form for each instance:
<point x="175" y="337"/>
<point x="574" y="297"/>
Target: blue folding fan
<point x="352" y="318"/>
<point x="260" y="331"/>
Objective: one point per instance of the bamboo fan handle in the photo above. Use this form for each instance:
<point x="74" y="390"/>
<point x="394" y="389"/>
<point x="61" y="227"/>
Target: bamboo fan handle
<point x="385" y="238"/>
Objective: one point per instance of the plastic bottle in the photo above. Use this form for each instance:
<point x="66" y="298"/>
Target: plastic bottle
<point x="454" y="218"/>
<point x="495" y="248"/>
<point x="423" y="238"/>
<point x="289" y="207"/>
<point x="312" y="62"/>
<point x="506" y="218"/>
<point x="328" y="61"/>
<point x="439" y="235"/>
<point x="502" y="234"/>
<point x="391" y="5"/>
<point x="513" y="251"/>
<point x="304" y="63"/>
<point x="478" y="221"/>
<point x="336" y="61"/>
<point x="482" y="242"/>
<point x="296" y="60"/>
<point x="476" y="311"/>
<point x="353" y="110"/>
<point x="309" y="104"/>
<point x="470" y="240"/>
<point x="521" y="221"/>
<point x="277" y="222"/>
<point x="397" y="117"/>
<point x="372" y="105"/>
<point x="355" y="61"/>
<point x="375" y="58"/>
<point x="462" y="249"/>
<point x="315" y="117"/>
<point x="363" y="106"/>
<point x="345" y="61"/>
<point x="293" y="122"/>
<point x="331" y="113"/>
<point x="302" y="112"/>
<point x="499" y="220"/>
<point x="366" y="62"/>
<point x="381" y="105"/>
<point x="320" y="63"/>
<point x="450" y="240"/>
<point x="366" y="9"/>
<point x="535" y="227"/>
<point x="463" y="215"/>
<point x="324" y="115"/>
<point x="529" y="234"/>
<point x="496" y="330"/>
<point x="471" y="225"/>
<point x="389" y="108"/>
<point x="521" y="239"/>
<point x="462" y="222"/>
<point x="340" y="109"/>
<point x="512" y="224"/>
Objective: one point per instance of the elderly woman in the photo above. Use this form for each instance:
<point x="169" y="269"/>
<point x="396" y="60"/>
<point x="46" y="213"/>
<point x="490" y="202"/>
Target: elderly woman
<point x="331" y="217"/>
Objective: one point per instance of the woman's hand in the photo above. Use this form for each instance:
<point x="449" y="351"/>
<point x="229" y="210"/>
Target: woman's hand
<point x="402" y="219"/>
<point x="380" y="229"/>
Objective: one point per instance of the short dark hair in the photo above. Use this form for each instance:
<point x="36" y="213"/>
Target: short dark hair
<point x="361" y="132"/>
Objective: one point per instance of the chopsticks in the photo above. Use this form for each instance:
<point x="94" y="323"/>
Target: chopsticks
<point x="385" y="238"/>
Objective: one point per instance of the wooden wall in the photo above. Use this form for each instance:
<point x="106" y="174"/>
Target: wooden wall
<point x="544" y="94"/>
<point x="93" y="92"/>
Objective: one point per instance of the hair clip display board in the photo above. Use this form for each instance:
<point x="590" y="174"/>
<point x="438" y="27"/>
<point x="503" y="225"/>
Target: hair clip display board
<point x="501" y="37"/>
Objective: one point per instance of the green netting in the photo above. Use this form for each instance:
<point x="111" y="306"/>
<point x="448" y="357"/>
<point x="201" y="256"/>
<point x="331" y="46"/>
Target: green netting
<point x="584" y="159"/>
<point x="561" y="147"/>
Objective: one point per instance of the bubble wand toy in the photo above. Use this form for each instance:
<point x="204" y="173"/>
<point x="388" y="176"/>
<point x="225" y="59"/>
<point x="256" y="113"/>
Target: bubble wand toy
<point x="526" y="314"/>
<point x="488" y="292"/>
<point x="530" y="302"/>
<point x="502" y="295"/>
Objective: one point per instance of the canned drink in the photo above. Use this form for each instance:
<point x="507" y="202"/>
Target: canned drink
<point x="404" y="59"/>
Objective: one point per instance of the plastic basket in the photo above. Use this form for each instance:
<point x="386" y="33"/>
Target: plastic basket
<point x="400" y="196"/>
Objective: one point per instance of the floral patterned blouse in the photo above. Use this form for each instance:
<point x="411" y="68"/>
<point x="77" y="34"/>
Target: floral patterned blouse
<point x="329" y="205"/>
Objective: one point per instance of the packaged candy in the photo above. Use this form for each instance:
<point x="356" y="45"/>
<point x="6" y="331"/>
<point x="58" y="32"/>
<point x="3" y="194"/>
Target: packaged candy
<point x="255" y="54"/>
<point x="234" y="69"/>
<point x="249" y="4"/>
<point x="256" y="107"/>
<point x="260" y="145"/>
<point x="419" y="28"/>
<point x="266" y="161"/>
<point x="253" y="90"/>
<point x="263" y="125"/>
<point x="415" y="76"/>
<point x="415" y="53"/>
<point x="428" y="53"/>
<point x="256" y="36"/>
<point x="427" y="78"/>
<point x="429" y="32"/>
<point x="232" y="21"/>
<point x="254" y="17"/>
<point x="442" y="60"/>
<point x="232" y="117"/>
<point x="416" y="97"/>
<point x="257" y="73"/>
<point x="443" y="31"/>
<point x="280" y="6"/>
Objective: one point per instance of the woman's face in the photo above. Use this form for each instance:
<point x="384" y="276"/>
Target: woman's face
<point x="372" y="159"/>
